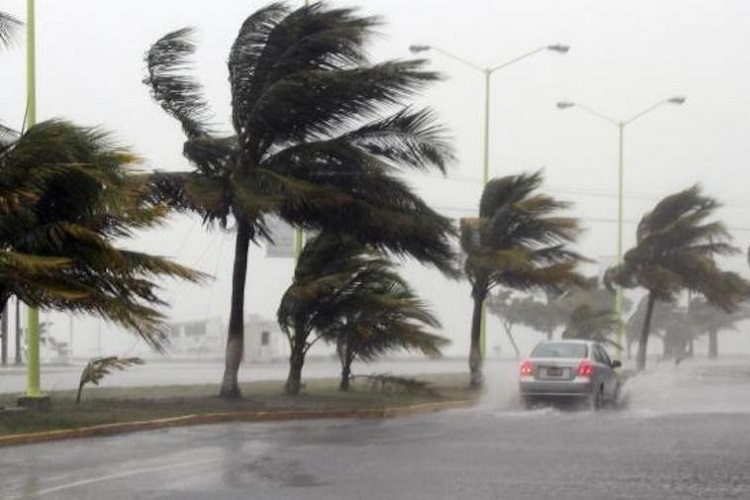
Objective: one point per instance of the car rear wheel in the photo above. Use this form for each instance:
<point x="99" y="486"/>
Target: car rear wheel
<point x="596" y="399"/>
<point x="527" y="402"/>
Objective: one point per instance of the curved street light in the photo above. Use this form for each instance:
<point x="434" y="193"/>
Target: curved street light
<point x="488" y="72"/>
<point x="620" y="124"/>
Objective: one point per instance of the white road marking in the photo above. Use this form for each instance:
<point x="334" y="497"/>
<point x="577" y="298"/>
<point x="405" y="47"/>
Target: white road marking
<point x="119" y="475"/>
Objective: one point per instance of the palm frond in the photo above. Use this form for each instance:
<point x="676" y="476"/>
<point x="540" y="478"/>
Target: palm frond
<point x="167" y="63"/>
<point x="9" y="26"/>
<point x="97" y="368"/>
<point x="407" y="137"/>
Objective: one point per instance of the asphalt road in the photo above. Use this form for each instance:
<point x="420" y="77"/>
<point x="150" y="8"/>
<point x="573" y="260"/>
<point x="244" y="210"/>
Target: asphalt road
<point x="680" y="434"/>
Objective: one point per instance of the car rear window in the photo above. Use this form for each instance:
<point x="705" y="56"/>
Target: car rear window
<point x="560" y="350"/>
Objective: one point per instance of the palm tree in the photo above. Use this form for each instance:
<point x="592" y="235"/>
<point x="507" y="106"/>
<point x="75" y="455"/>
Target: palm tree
<point x="517" y="242"/>
<point x="307" y="144"/>
<point x="350" y="295"/>
<point x="329" y="271"/>
<point x="676" y="248"/>
<point x="387" y="316"/>
<point x="66" y="195"/>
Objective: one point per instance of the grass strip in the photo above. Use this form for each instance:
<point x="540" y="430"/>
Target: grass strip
<point x="108" y="407"/>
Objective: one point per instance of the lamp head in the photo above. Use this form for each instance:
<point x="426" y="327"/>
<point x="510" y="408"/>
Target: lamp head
<point x="415" y="49"/>
<point x="678" y="100"/>
<point x="565" y="104"/>
<point x="562" y="49"/>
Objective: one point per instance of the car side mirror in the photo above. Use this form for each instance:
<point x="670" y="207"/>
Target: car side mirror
<point x="616" y="364"/>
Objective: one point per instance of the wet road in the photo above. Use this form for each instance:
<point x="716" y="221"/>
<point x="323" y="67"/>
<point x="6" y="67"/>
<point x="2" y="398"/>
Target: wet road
<point x="681" y="434"/>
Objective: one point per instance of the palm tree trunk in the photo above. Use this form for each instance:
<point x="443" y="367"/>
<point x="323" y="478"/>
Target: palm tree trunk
<point x="4" y="332"/>
<point x="713" y="344"/>
<point x="346" y="372"/>
<point x="296" y="362"/>
<point x="475" y="354"/>
<point x="236" y="337"/>
<point x="643" y="340"/>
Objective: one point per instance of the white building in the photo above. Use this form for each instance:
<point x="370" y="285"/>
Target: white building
<point x="206" y="339"/>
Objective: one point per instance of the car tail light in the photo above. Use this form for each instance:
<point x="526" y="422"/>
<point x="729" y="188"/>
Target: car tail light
<point x="527" y="369"/>
<point x="585" y="369"/>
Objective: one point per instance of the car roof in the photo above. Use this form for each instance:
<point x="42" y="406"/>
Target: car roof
<point x="569" y="341"/>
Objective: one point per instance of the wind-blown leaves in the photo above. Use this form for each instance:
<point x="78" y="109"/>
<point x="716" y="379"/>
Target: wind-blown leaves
<point x="172" y="86"/>
<point x="9" y="26"/>
<point x="66" y="196"/>
<point x="349" y="295"/>
<point x="98" y="368"/>
<point x="320" y="136"/>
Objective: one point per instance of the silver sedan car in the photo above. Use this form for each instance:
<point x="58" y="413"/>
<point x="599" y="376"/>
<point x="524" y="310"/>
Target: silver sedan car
<point x="579" y="370"/>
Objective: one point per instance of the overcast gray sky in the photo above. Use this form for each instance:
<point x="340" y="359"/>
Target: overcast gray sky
<point x="625" y="55"/>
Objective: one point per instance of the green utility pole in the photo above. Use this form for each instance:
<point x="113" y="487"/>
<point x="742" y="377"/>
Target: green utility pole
<point x="485" y="179"/>
<point x="620" y="124"/>
<point x="33" y="386"/>
<point x="618" y="292"/>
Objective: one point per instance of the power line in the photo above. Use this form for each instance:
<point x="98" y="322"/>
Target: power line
<point x="593" y="192"/>
<point x="600" y="220"/>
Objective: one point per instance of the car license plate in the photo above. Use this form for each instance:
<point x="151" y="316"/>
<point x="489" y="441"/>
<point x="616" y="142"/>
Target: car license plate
<point x="554" y="371"/>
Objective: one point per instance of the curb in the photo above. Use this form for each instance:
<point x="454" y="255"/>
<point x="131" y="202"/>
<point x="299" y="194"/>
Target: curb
<point x="225" y="417"/>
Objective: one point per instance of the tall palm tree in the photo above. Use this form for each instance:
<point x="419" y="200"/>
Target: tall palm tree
<point x="519" y="241"/>
<point x="66" y="195"/>
<point x="309" y="142"/>
<point x="676" y="249"/>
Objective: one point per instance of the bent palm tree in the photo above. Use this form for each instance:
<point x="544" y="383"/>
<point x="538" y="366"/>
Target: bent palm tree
<point x="518" y="242"/>
<point x="307" y="143"/>
<point x="676" y="248"/>
<point x="65" y="196"/>
<point x="351" y="296"/>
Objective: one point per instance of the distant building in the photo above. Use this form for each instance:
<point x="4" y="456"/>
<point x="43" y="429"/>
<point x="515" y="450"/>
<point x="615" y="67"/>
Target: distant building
<point x="206" y="339"/>
<point x="203" y="338"/>
<point x="264" y="340"/>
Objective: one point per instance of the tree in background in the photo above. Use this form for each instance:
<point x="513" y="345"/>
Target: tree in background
<point x="519" y="242"/>
<point x="512" y="311"/>
<point x="676" y="249"/>
<point x="320" y="134"/>
<point x="706" y="318"/>
<point x="590" y="323"/>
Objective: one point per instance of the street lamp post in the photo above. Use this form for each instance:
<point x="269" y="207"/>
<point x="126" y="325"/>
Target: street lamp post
<point x="620" y="124"/>
<point x="487" y="72"/>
